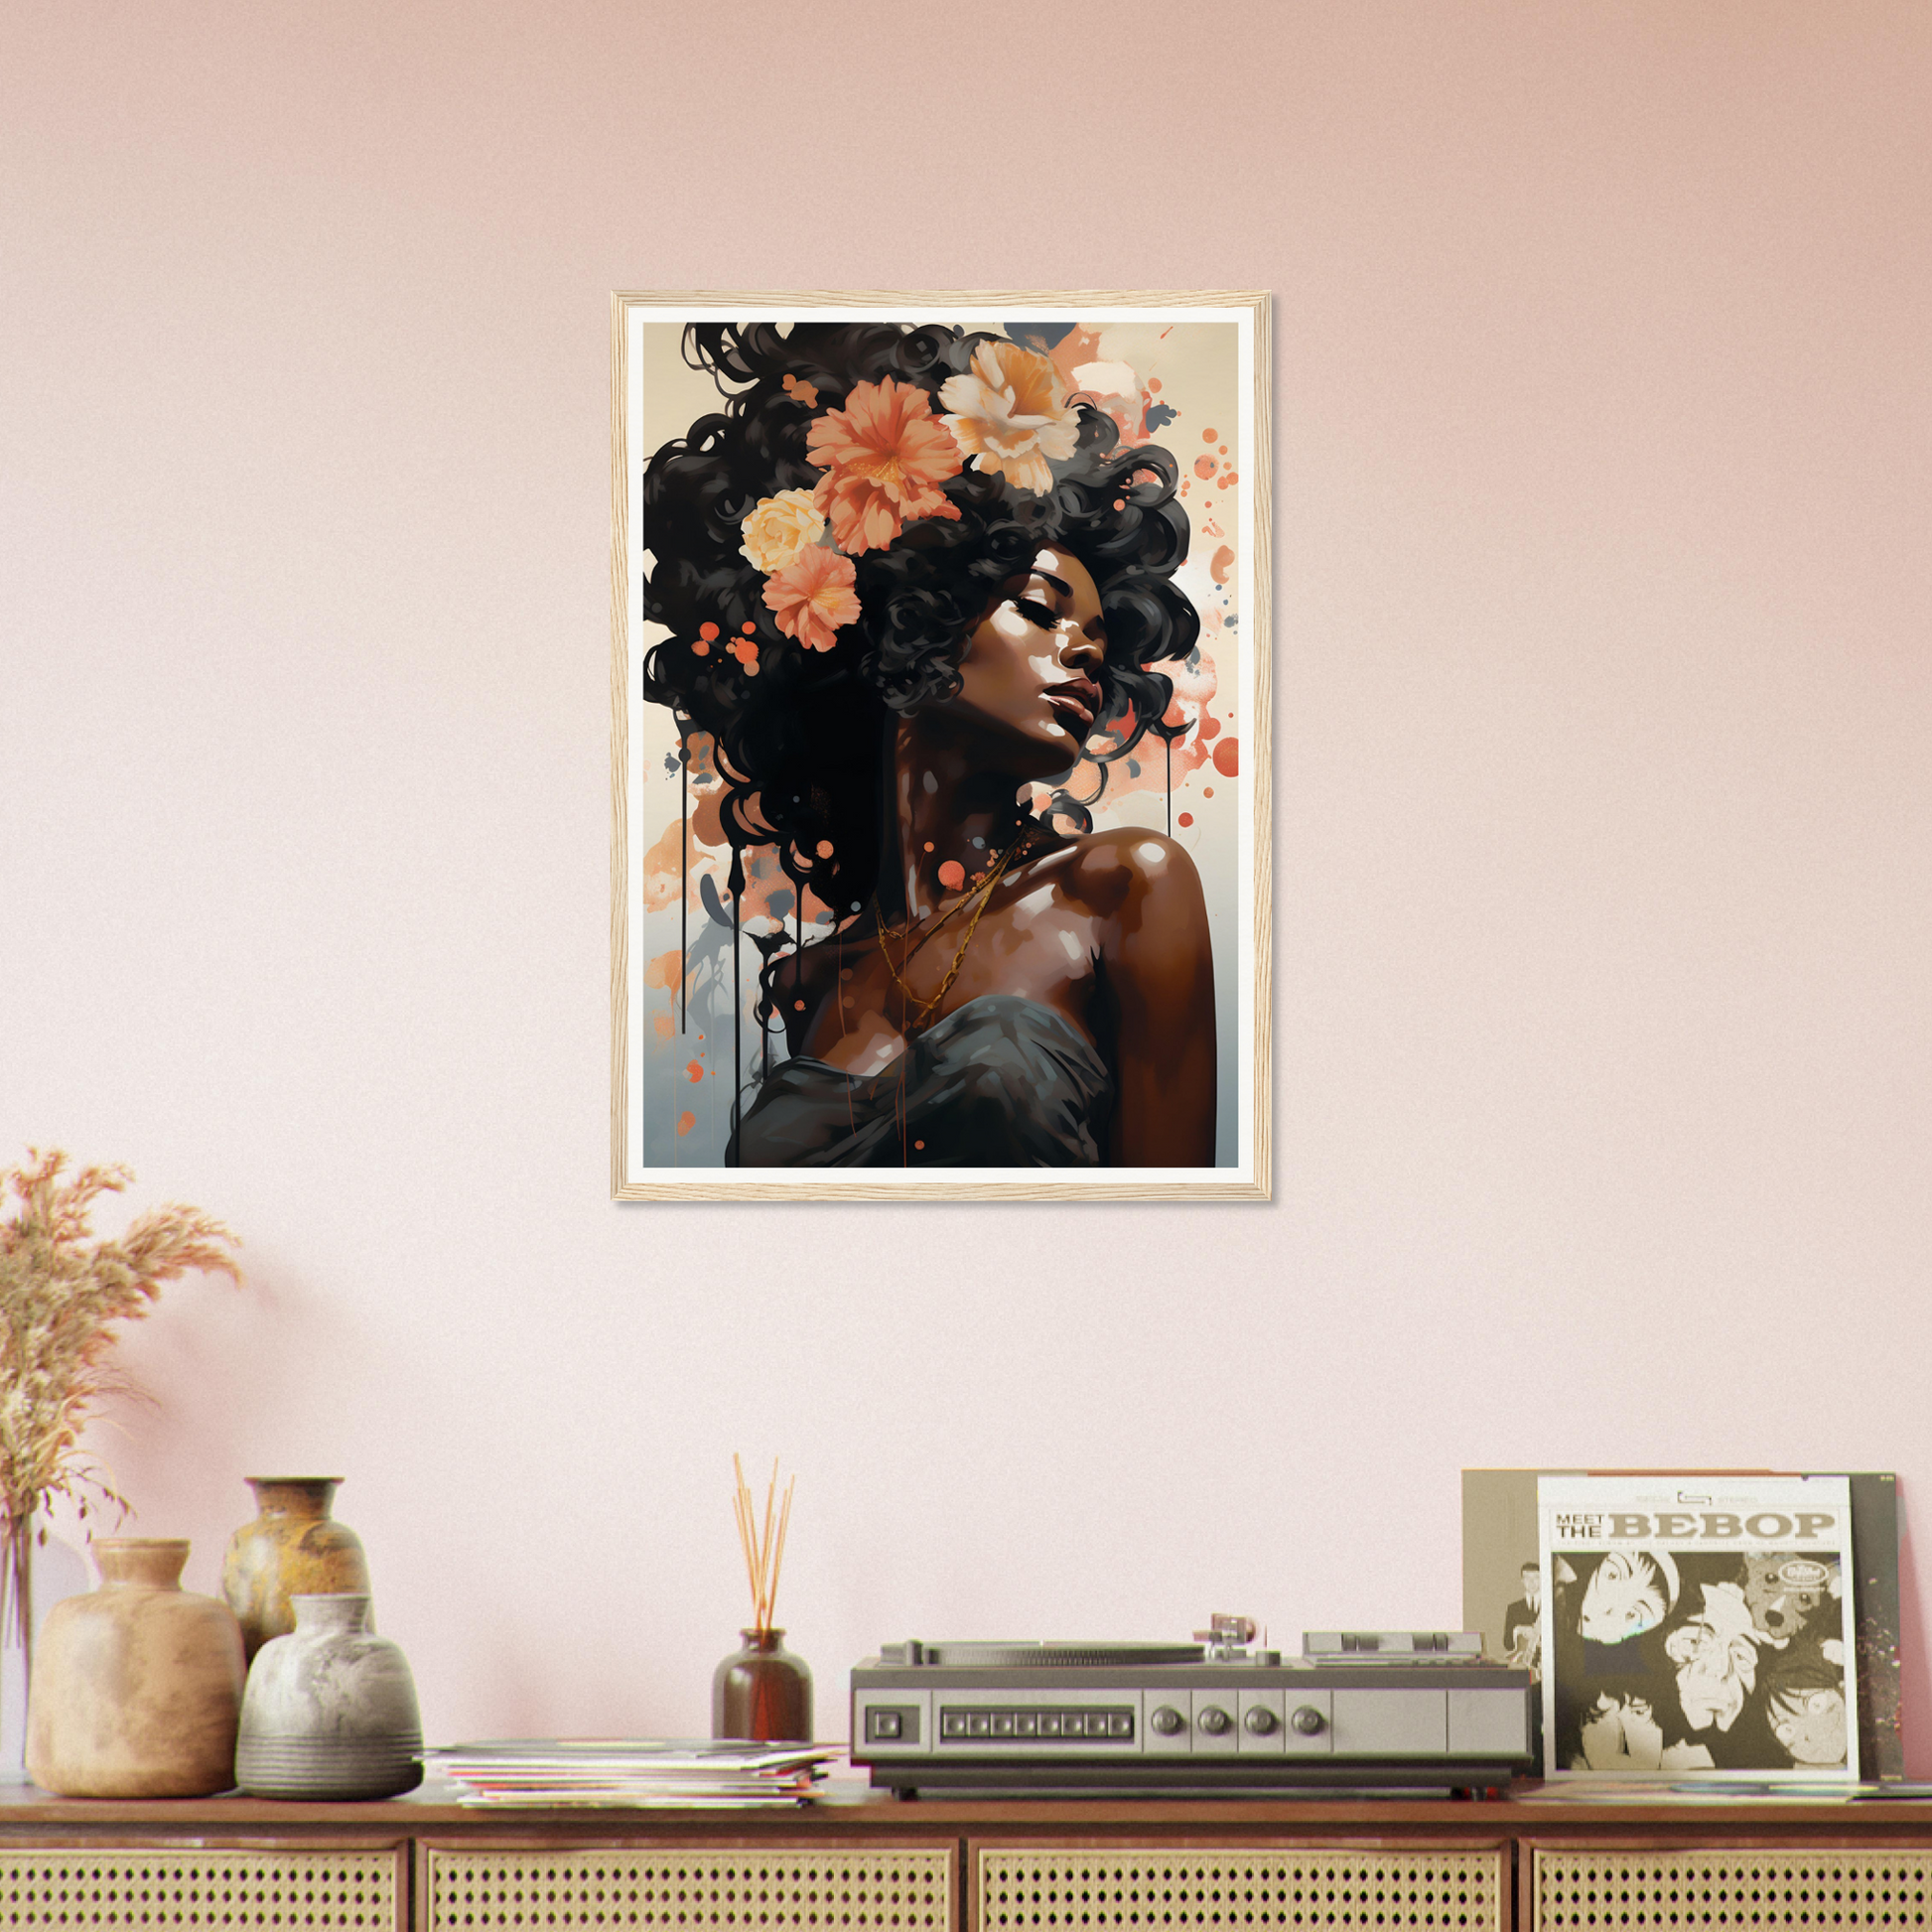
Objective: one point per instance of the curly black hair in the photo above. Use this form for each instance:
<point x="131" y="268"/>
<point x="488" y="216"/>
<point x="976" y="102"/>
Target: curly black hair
<point x="799" y="746"/>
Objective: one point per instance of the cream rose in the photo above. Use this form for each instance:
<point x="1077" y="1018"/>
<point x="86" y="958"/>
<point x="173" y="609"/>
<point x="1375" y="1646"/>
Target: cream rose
<point x="781" y="529"/>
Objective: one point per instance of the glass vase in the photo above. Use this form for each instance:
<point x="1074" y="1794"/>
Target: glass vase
<point x="763" y="1692"/>
<point x="50" y="1570"/>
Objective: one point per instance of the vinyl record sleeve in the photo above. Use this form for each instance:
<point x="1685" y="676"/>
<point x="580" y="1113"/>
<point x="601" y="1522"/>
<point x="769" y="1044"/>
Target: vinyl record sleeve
<point x="1502" y="1587"/>
<point x="1698" y="1630"/>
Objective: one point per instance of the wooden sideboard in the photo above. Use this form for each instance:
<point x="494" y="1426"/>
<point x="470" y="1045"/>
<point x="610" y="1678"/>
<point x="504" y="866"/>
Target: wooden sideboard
<point x="862" y="1863"/>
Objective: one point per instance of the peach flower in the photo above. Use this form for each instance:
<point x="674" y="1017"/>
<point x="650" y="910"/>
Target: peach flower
<point x="1010" y="414"/>
<point x="886" y="456"/>
<point x="779" y="528"/>
<point x="812" y="599"/>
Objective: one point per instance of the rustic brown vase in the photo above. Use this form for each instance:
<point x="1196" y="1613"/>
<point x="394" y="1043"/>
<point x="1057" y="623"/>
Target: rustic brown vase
<point x="762" y="1692"/>
<point x="137" y="1686"/>
<point x="292" y="1548"/>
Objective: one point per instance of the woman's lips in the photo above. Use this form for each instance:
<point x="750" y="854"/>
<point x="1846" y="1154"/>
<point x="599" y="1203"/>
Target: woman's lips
<point x="1081" y="697"/>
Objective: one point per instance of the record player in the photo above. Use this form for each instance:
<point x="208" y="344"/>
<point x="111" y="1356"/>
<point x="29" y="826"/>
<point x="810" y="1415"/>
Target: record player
<point x="1416" y="1710"/>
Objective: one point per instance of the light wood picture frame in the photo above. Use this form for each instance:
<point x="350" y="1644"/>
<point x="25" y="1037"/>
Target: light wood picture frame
<point x="992" y="1036"/>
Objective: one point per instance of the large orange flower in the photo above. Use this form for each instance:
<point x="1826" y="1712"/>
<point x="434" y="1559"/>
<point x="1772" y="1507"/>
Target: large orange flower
<point x="886" y="454"/>
<point x="1010" y="414"/>
<point x="812" y="599"/>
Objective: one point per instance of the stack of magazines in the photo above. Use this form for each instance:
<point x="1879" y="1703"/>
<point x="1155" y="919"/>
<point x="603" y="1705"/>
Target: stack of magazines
<point x="632" y="1771"/>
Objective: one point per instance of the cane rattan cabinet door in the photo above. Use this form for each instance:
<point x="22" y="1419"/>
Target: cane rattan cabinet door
<point x="824" y="1888"/>
<point x="236" y="1889"/>
<point x="1334" y="1889"/>
<point x="1848" y="1888"/>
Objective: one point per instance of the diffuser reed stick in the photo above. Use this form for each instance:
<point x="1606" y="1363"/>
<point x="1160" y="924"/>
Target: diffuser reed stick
<point x="763" y="1543"/>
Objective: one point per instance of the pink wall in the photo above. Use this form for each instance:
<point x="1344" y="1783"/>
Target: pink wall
<point x="1602" y="880"/>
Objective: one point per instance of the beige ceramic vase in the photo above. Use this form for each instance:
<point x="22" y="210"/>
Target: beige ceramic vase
<point x="137" y="1686"/>
<point x="294" y="1548"/>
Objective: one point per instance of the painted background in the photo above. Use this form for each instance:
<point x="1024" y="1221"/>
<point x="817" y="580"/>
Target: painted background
<point x="1171" y="384"/>
<point x="1603" y="836"/>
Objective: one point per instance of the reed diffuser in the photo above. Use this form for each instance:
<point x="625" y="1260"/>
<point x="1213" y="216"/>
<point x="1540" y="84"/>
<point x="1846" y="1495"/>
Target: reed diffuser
<point x="763" y="1692"/>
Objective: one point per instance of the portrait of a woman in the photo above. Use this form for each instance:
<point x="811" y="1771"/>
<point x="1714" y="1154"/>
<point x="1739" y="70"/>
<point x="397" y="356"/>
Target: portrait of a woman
<point x="903" y="582"/>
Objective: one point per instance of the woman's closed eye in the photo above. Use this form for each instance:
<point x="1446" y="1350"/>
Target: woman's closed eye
<point x="1036" y="613"/>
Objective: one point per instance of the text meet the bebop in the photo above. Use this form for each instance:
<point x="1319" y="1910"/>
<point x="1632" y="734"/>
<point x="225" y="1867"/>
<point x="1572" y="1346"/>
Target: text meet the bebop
<point x="1686" y="1526"/>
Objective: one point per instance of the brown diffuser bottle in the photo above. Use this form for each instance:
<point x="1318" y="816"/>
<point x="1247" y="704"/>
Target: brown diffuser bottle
<point x="763" y="1692"/>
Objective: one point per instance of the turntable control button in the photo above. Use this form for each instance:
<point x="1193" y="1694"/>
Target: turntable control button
<point x="1026" y="1725"/>
<point x="1307" y="1720"/>
<point x="1168" y="1721"/>
<point x="979" y="1725"/>
<point x="1260" y="1720"/>
<point x="1214" y="1721"/>
<point x="1050" y="1723"/>
<point x="1119" y="1724"/>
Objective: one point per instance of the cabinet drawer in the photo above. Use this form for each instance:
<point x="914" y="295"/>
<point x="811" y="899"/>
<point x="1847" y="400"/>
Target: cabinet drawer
<point x="1576" y="1889"/>
<point x="245" y="1889"/>
<point x="1334" y="1889"/>
<point x="903" y="1889"/>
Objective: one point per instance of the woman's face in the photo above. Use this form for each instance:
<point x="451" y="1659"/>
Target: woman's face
<point x="1623" y="1599"/>
<point x="1031" y="675"/>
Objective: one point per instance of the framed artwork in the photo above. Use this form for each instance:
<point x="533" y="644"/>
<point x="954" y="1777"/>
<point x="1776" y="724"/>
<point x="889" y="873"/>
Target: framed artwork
<point x="940" y="746"/>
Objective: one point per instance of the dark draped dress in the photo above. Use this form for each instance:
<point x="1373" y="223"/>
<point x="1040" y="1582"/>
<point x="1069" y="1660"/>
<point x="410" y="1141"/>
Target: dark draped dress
<point x="998" y="1082"/>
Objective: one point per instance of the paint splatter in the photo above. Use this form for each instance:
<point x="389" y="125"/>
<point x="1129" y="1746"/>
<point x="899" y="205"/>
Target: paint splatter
<point x="1227" y="757"/>
<point x="1204" y="466"/>
<point x="663" y="971"/>
<point x="952" y="875"/>
<point x="1185" y="820"/>
<point x="1222" y="564"/>
<point x="825" y="848"/>
<point x="695" y="1071"/>
<point x="1211" y="436"/>
<point x="1210" y="726"/>
<point x="663" y="1026"/>
<point x="685" y="1122"/>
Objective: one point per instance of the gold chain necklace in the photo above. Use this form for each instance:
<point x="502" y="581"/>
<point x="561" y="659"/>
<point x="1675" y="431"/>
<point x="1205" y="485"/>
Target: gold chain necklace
<point x="981" y="893"/>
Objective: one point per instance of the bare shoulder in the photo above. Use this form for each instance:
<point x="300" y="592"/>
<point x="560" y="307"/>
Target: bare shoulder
<point x="1130" y="872"/>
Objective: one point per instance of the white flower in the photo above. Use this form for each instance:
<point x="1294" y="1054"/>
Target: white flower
<point x="780" y="529"/>
<point x="1010" y="414"/>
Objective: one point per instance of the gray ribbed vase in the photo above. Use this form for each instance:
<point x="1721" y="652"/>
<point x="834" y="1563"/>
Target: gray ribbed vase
<point x="329" y="1711"/>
